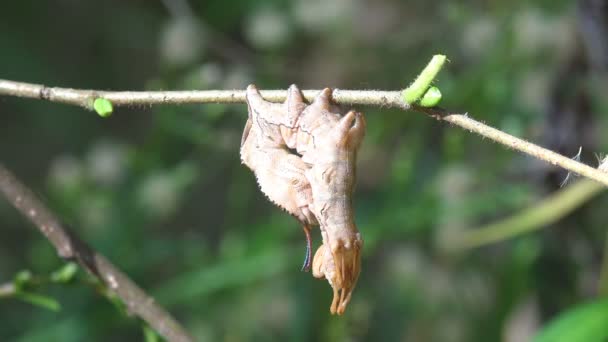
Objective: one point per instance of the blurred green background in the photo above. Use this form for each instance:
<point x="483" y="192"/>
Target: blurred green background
<point x="161" y="192"/>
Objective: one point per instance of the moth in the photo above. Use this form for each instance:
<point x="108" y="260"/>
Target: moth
<point x="304" y="158"/>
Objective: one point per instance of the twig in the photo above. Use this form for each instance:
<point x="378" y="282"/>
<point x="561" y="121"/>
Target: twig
<point x="85" y="98"/>
<point x="464" y="121"/>
<point x="70" y="247"/>
<point x="602" y="287"/>
<point x="603" y="279"/>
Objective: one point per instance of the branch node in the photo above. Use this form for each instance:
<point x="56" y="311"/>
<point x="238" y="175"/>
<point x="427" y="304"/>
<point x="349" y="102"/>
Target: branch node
<point x="45" y="93"/>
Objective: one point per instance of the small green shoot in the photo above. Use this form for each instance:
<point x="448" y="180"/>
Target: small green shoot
<point x="39" y="300"/>
<point x="431" y="98"/>
<point x="418" y="89"/>
<point x="65" y="274"/>
<point x="103" y="107"/>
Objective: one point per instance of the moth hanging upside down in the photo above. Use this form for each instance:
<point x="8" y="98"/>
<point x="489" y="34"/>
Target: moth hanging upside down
<point x="304" y="157"/>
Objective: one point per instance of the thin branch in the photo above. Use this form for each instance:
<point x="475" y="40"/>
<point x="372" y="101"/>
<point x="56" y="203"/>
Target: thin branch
<point x="85" y="98"/>
<point x="542" y="215"/>
<point x="602" y="287"/>
<point x="70" y="247"/>
<point x="464" y="121"/>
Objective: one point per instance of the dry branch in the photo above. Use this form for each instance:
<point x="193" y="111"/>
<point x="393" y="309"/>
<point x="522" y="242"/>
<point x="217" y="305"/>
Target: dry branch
<point x="70" y="247"/>
<point x="85" y="98"/>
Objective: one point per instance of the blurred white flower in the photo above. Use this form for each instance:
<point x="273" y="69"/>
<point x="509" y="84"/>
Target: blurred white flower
<point x="407" y="264"/>
<point x="210" y="73"/>
<point x="94" y="212"/>
<point x="237" y="78"/>
<point x="267" y="28"/>
<point x="181" y="41"/>
<point x="321" y="15"/>
<point x="533" y="90"/>
<point x="522" y="323"/>
<point x="206" y="76"/>
<point x="106" y="162"/>
<point x="158" y="194"/>
<point x="453" y="184"/>
<point x="535" y="31"/>
<point x="478" y="36"/>
<point x="65" y="172"/>
<point x="377" y="20"/>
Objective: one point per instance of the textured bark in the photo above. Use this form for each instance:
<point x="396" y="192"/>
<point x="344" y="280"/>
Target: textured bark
<point x="70" y="247"/>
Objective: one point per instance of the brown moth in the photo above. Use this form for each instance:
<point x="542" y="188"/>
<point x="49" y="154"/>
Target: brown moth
<point x="280" y="174"/>
<point x="324" y="175"/>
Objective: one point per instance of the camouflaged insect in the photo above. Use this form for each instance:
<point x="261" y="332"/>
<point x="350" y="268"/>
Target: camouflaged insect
<point x="304" y="159"/>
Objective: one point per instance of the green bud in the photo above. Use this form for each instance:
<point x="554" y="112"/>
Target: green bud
<point x="65" y="273"/>
<point x="103" y="107"/>
<point x="431" y="98"/>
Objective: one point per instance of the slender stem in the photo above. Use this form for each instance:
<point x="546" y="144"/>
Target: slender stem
<point x="85" y="98"/>
<point x="603" y="279"/>
<point x="415" y="91"/>
<point x="70" y="247"/>
<point x="466" y="122"/>
<point x="548" y="211"/>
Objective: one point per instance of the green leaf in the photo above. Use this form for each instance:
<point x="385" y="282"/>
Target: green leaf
<point x="587" y="322"/>
<point x="39" y="300"/>
<point x="103" y="107"/>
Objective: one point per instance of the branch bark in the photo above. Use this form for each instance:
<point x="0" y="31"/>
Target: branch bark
<point x="85" y="98"/>
<point x="70" y="247"/>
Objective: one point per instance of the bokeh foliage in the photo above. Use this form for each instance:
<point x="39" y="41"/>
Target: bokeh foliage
<point x="160" y="191"/>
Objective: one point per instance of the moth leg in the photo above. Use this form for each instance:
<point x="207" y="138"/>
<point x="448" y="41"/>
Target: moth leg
<point x="323" y="100"/>
<point x="308" y="257"/>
